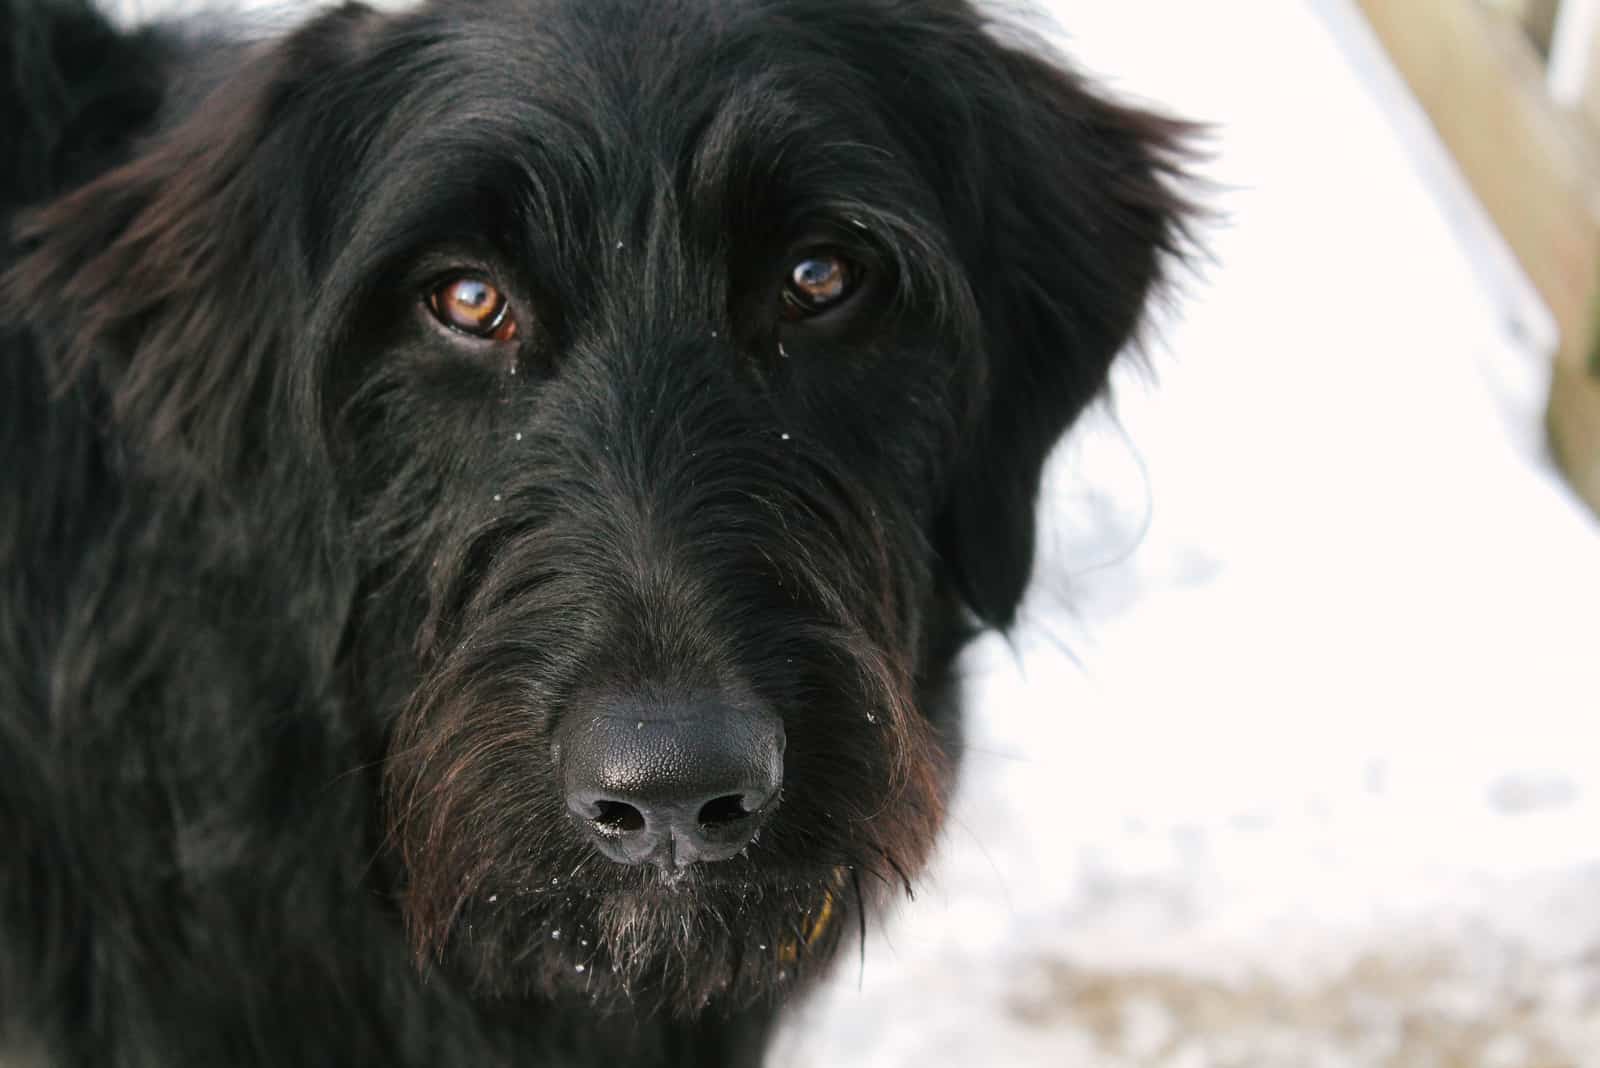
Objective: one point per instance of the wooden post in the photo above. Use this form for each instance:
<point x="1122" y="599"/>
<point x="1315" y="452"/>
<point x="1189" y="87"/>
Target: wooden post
<point x="1483" y="87"/>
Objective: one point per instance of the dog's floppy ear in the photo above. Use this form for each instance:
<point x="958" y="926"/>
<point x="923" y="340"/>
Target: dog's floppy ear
<point x="1080" y="210"/>
<point x="168" y="284"/>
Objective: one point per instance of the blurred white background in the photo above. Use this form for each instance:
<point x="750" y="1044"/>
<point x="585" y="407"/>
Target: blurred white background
<point x="1294" y="760"/>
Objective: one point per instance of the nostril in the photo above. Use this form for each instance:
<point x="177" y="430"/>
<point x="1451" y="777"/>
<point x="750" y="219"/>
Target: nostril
<point x="618" y="817"/>
<point x="722" y="810"/>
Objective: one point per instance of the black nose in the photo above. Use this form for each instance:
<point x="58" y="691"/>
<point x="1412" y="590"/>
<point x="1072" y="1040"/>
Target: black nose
<point x="670" y="783"/>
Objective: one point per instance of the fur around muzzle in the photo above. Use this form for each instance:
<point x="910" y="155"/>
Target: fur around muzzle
<point x="795" y="604"/>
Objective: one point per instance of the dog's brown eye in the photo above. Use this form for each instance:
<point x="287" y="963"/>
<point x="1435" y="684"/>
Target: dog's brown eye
<point x="817" y="282"/>
<point x="473" y="306"/>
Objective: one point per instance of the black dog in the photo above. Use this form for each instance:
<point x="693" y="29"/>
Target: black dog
<point x="491" y="496"/>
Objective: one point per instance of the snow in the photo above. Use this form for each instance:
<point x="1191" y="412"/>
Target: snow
<point x="1289" y="763"/>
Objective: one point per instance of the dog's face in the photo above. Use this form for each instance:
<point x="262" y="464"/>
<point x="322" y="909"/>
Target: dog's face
<point x="677" y="377"/>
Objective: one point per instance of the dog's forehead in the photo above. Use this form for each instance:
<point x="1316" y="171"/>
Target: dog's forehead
<point x="653" y="79"/>
<point x="574" y="119"/>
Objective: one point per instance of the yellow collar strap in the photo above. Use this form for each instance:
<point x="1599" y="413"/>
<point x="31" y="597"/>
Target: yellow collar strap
<point x="812" y="925"/>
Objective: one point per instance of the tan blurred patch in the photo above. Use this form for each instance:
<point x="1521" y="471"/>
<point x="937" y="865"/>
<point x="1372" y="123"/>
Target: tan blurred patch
<point x="1383" y="1012"/>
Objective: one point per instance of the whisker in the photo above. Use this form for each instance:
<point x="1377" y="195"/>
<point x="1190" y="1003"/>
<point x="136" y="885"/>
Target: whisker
<point x="861" y="929"/>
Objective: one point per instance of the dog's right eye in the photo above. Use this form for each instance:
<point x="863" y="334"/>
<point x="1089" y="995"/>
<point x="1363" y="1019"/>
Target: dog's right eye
<point x="474" y="306"/>
<point x="818" y="282"/>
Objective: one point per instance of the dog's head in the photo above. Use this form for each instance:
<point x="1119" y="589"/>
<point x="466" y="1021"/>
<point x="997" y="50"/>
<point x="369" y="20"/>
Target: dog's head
<point x="666" y="386"/>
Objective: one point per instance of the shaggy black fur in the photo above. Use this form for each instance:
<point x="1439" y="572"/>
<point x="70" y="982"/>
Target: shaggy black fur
<point x="299" y="582"/>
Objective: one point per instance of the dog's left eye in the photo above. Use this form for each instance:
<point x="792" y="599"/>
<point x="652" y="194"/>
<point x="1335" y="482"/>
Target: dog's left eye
<point x="818" y="282"/>
<point x="473" y="306"/>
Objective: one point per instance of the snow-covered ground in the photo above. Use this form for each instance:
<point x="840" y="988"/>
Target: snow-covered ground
<point x="1294" y="762"/>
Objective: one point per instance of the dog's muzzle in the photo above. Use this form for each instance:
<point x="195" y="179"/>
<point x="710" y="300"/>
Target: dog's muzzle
<point x="670" y="783"/>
